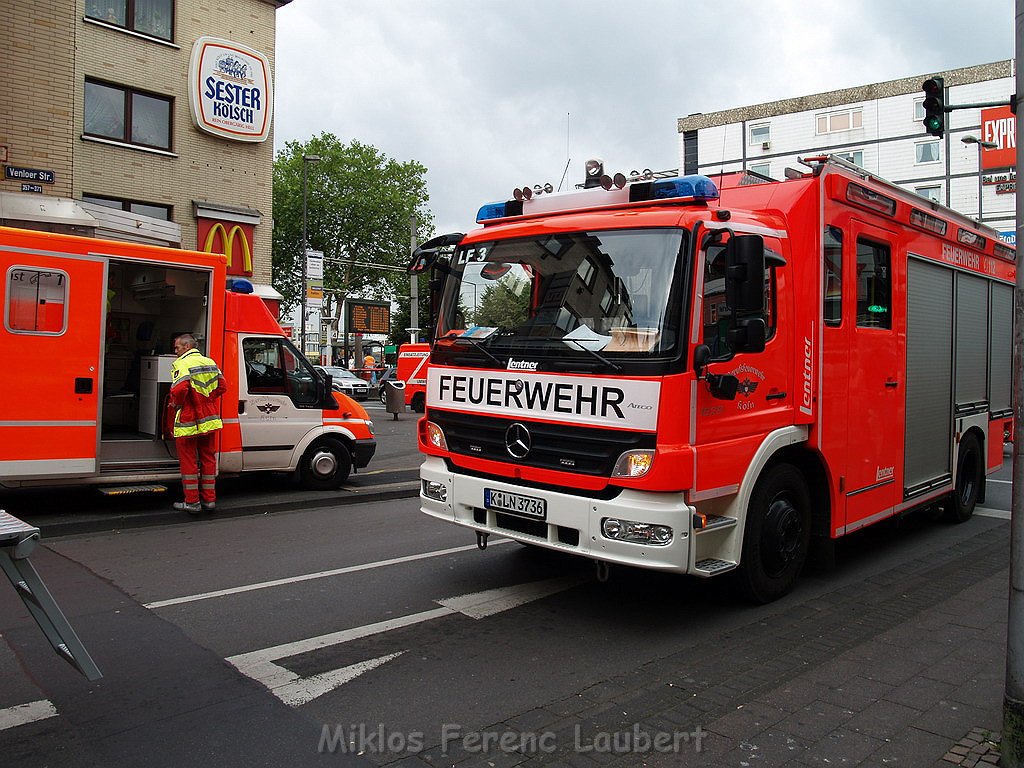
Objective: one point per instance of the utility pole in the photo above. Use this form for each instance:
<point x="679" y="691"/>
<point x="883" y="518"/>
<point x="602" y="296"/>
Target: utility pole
<point x="414" y="288"/>
<point x="306" y="160"/>
<point x="1012" y="746"/>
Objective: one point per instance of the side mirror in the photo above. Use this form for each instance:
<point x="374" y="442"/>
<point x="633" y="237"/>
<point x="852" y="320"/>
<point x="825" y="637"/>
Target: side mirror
<point x="701" y="356"/>
<point x="722" y="386"/>
<point x="748" y="335"/>
<point x="426" y="255"/>
<point x="744" y="274"/>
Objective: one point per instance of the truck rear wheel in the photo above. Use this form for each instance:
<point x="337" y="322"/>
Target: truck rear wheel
<point x="778" y="534"/>
<point x="419" y="402"/>
<point x="969" y="472"/>
<point x="325" y="465"/>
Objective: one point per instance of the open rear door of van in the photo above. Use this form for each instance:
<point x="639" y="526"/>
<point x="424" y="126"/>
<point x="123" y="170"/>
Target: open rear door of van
<point x="51" y="344"/>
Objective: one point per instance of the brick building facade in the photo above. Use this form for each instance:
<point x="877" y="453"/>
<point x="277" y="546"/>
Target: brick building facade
<point x="97" y="135"/>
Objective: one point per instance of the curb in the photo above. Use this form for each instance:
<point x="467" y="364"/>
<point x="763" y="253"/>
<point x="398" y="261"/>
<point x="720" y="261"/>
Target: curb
<point x="228" y="508"/>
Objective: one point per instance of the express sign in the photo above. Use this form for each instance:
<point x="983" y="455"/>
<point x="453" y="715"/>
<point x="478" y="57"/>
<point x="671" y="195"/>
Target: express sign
<point x="230" y="90"/>
<point x="999" y="126"/>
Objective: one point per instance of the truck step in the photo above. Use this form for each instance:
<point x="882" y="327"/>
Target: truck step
<point x="713" y="567"/>
<point x="124" y="490"/>
<point x="705" y="523"/>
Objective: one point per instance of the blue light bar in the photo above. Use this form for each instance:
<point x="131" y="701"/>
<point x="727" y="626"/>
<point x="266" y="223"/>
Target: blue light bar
<point x="490" y="211"/>
<point x="239" y="285"/>
<point x="692" y="187"/>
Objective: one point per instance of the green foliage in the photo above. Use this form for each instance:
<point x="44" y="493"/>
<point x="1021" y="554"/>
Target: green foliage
<point x="504" y="304"/>
<point x="359" y="204"/>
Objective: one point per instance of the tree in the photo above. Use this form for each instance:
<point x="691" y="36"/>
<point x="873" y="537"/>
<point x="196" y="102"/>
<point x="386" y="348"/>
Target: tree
<point x="359" y="204"/>
<point x="504" y="304"/>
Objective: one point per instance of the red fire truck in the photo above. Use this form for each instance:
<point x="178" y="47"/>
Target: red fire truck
<point x="700" y="376"/>
<point x="88" y="326"/>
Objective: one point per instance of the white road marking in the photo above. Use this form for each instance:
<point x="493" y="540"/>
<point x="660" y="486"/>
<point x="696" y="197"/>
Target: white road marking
<point x="26" y="713"/>
<point x="1001" y="514"/>
<point x="293" y="690"/>
<point x="318" y="575"/>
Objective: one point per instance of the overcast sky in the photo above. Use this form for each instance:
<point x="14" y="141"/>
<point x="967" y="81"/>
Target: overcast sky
<point x="490" y="96"/>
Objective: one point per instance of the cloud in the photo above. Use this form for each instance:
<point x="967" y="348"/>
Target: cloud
<point x="493" y="96"/>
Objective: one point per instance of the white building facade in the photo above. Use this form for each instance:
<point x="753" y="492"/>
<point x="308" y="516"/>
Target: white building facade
<point x="879" y="128"/>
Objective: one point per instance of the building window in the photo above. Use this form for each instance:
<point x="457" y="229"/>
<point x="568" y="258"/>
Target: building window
<point x="845" y="120"/>
<point x="919" y="109"/>
<point x="856" y="157"/>
<point x="760" y="134"/>
<point x="144" y="209"/>
<point x="764" y="169"/>
<point x="930" y="193"/>
<point x="122" y="114"/>
<point x="927" y="152"/>
<point x="37" y="300"/>
<point x="147" y="17"/>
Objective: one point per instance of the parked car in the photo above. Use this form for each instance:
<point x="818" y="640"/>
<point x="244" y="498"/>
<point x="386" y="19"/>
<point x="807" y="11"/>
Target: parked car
<point x="343" y="380"/>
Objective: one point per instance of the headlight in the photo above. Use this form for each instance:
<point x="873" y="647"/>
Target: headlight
<point x="636" y="463"/>
<point x="435" y="490"/>
<point x="636" y="532"/>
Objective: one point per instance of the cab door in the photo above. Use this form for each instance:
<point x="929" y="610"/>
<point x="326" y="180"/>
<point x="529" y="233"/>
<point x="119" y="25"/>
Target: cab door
<point x="278" y="401"/>
<point x="53" y="310"/>
<point x="876" y="383"/>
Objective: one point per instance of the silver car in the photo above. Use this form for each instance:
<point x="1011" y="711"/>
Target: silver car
<point x="343" y="380"/>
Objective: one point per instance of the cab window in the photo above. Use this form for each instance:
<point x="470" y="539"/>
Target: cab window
<point x="718" y="315"/>
<point x="272" y="366"/>
<point x="37" y="301"/>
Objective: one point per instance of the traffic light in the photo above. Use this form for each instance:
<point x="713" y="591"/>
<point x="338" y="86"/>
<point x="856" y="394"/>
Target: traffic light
<point x="934" y="109"/>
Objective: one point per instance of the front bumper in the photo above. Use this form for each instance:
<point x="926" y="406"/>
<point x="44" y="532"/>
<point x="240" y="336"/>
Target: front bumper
<point x="573" y="523"/>
<point x="362" y="452"/>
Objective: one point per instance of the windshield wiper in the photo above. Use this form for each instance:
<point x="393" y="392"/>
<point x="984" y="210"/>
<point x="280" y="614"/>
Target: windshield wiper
<point x="578" y="342"/>
<point x="480" y="344"/>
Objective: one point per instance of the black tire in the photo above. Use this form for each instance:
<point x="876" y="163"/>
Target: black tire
<point x="777" y="536"/>
<point x="419" y="402"/>
<point x="970" y="469"/>
<point x="325" y="466"/>
<point x="383" y="396"/>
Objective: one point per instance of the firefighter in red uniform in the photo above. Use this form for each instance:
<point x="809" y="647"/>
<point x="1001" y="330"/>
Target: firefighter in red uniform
<point x="196" y="387"/>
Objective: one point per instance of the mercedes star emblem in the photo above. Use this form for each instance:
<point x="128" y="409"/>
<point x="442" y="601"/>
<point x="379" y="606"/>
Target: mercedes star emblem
<point x="517" y="441"/>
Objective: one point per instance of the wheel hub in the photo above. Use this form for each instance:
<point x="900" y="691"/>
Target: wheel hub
<point x="781" y="536"/>
<point x="323" y="464"/>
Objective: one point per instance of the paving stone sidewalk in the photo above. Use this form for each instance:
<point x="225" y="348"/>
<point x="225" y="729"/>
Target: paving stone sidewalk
<point x="866" y="675"/>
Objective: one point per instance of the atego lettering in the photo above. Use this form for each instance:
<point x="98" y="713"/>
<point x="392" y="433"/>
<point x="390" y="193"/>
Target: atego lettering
<point x="599" y="401"/>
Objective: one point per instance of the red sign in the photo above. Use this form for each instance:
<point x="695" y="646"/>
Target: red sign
<point x="999" y="126"/>
<point x="233" y="240"/>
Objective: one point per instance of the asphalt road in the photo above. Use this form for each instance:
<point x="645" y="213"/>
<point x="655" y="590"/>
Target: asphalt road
<point x="392" y="473"/>
<point x="367" y="632"/>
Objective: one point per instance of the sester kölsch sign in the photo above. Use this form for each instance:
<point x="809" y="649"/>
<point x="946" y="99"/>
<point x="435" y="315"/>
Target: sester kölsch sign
<point x="231" y="92"/>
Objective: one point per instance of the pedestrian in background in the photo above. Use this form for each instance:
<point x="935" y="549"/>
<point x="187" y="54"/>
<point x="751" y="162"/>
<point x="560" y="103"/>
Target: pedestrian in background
<point x="196" y="387"/>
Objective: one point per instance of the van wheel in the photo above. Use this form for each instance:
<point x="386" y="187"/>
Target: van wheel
<point x="778" y="534"/>
<point x="969" y="471"/>
<point x="325" y="466"/>
<point x="418" y="402"/>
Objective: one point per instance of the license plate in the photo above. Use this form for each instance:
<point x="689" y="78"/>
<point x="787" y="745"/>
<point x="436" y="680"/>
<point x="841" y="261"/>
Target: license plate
<point x="516" y="504"/>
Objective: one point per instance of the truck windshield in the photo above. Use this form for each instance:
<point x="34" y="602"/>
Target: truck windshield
<point x="602" y="298"/>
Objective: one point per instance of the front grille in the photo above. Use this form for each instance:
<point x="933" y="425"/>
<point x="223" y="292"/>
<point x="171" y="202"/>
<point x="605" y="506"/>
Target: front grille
<point x="562" y="447"/>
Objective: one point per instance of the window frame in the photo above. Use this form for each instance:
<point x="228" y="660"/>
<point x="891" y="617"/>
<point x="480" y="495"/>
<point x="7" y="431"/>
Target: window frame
<point x="751" y="141"/>
<point x="917" y="152"/>
<point x="850" y="112"/>
<point x="127" y="106"/>
<point x="919" y="191"/>
<point x="125" y="204"/>
<point x="12" y="304"/>
<point x="94" y="12"/>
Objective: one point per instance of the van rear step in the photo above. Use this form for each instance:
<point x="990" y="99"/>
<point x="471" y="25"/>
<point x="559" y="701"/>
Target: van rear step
<point x="124" y="490"/>
<point x="713" y="567"/>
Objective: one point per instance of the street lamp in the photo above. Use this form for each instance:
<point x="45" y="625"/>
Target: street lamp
<point x="306" y="160"/>
<point x="981" y="145"/>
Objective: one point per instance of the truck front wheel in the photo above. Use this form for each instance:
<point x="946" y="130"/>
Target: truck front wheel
<point x="778" y="534"/>
<point x="325" y="466"/>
